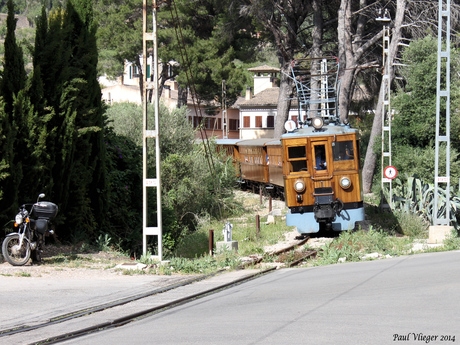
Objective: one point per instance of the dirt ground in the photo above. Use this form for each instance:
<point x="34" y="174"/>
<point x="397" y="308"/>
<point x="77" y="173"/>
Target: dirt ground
<point x="59" y="261"/>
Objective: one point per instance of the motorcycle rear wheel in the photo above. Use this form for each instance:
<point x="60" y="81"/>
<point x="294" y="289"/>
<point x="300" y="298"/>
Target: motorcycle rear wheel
<point x="12" y="253"/>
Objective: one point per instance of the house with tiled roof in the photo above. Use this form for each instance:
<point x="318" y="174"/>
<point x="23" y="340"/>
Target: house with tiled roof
<point x="252" y="116"/>
<point x="257" y="111"/>
<point x="209" y="118"/>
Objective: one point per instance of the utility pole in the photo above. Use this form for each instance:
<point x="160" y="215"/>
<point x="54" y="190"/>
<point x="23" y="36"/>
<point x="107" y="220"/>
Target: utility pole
<point x="154" y="134"/>
<point x="224" y="111"/>
<point x="442" y="97"/>
<point x="386" y="111"/>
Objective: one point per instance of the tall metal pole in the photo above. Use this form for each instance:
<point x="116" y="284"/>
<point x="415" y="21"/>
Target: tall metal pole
<point x="224" y="111"/>
<point x="443" y="95"/>
<point x="151" y="133"/>
<point x="386" y="109"/>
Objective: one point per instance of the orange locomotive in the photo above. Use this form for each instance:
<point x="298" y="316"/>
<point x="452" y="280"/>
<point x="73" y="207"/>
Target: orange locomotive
<point x="322" y="177"/>
<point x="317" y="170"/>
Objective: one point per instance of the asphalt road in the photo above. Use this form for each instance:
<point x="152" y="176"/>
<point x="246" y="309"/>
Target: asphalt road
<point x="406" y="300"/>
<point x="33" y="300"/>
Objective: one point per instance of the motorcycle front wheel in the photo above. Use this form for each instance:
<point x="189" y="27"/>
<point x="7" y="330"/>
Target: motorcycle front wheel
<point x="15" y="255"/>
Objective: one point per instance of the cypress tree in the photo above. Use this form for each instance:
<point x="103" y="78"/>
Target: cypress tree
<point x="84" y="60"/>
<point x="65" y="79"/>
<point x="14" y="74"/>
<point x="13" y="145"/>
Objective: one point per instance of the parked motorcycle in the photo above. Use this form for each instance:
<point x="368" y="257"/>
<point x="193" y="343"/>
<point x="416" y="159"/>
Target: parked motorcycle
<point x="33" y="223"/>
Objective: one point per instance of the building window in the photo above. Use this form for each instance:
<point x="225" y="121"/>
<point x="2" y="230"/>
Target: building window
<point x="270" y="121"/>
<point x="233" y="125"/>
<point x="246" y="122"/>
<point x="258" y="121"/>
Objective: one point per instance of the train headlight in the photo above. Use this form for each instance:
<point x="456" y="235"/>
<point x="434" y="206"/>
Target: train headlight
<point x="299" y="186"/>
<point x="345" y="182"/>
<point x="317" y="122"/>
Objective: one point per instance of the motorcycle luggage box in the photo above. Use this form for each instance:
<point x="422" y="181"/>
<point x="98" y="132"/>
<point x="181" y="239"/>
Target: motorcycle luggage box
<point x="40" y="225"/>
<point x="45" y="209"/>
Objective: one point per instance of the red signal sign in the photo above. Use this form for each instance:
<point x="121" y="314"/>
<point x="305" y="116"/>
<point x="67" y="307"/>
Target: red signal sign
<point x="390" y="172"/>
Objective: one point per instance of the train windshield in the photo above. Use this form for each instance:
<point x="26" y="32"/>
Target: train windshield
<point x="297" y="158"/>
<point x="343" y="151"/>
<point x="320" y="157"/>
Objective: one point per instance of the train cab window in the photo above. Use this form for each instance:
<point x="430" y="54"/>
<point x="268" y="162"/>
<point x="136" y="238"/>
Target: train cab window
<point x="343" y="151"/>
<point x="320" y="157"/>
<point x="297" y="158"/>
<point x="296" y="152"/>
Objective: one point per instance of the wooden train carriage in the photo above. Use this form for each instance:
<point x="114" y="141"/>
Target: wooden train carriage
<point x="253" y="160"/>
<point x="322" y="178"/>
<point x="230" y="149"/>
<point x="275" y="163"/>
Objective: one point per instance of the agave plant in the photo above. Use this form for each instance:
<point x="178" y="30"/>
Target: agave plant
<point x="417" y="197"/>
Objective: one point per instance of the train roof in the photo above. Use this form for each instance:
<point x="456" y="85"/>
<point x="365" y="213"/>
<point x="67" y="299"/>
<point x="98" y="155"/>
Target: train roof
<point x="249" y="142"/>
<point x="227" y="141"/>
<point x="326" y="130"/>
<point x="258" y="142"/>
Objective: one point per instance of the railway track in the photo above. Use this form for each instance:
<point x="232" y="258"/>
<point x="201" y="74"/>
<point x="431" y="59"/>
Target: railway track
<point x="115" y="314"/>
<point x="299" y="256"/>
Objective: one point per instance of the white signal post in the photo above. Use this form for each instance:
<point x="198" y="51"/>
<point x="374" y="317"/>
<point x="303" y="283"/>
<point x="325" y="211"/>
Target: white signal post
<point x="386" y="108"/>
<point x="443" y="97"/>
<point x="151" y="133"/>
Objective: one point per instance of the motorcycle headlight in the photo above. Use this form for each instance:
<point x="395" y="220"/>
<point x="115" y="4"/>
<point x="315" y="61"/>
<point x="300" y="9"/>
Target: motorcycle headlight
<point x="18" y="219"/>
<point x="345" y="182"/>
<point x="299" y="186"/>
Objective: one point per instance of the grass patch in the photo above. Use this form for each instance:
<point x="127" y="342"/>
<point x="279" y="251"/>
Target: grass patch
<point x="244" y="230"/>
<point x="452" y="242"/>
<point x="353" y="246"/>
<point x="398" y="222"/>
<point x="71" y="259"/>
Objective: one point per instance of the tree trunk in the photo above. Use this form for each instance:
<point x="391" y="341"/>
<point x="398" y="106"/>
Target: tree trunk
<point x="182" y="96"/>
<point x="315" y="52"/>
<point x="371" y="156"/>
<point x="141" y="78"/>
<point x="346" y="57"/>
<point x="284" y="100"/>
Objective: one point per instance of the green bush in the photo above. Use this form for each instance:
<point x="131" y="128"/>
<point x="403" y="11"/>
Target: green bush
<point x="412" y="225"/>
<point x="193" y="184"/>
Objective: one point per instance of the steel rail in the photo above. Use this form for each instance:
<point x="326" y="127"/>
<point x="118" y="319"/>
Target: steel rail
<point x="306" y="256"/>
<point x="101" y="307"/>
<point x="126" y="319"/>
<point x="146" y="312"/>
